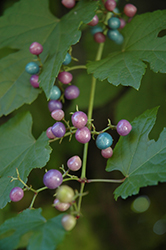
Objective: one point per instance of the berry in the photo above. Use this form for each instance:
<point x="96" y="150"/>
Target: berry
<point x="83" y="135"/>
<point x="61" y="206"/>
<point x="57" y="114"/>
<point x="36" y="48"/>
<point x="55" y="93"/>
<point x="65" y="77"/>
<point x="65" y="194"/>
<point x="110" y="5"/>
<point x="34" y="80"/>
<point x="130" y="10"/>
<point x="74" y="163"/>
<point x="107" y="152"/>
<point x="114" y="23"/>
<point x="123" y="127"/>
<point x="122" y="23"/>
<point x="58" y="129"/>
<point x="79" y="119"/>
<point x="68" y="3"/>
<point x="96" y="29"/>
<point x="94" y="21"/>
<point x="99" y="37"/>
<point x="49" y="133"/>
<point x="16" y="194"/>
<point x="67" y="59"/>
<point x="104" y="140"/>
<point x="52" y="179"/>
<point x="116" y="36"/>
<point x="32" y="68"/>
<point x="71" y="92"/>
<point x="68" y="222"/>
<point x="54" y="104"/>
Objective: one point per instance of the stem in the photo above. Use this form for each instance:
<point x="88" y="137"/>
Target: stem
<point x="106" y="180"/>
<point x="76" y="67"/>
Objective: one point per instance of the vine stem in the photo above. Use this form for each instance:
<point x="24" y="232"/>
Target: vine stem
<point x="106" y="180"/>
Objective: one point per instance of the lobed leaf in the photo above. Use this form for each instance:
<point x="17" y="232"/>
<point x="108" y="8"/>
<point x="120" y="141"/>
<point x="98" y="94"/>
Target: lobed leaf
<point x="19" y="149"/>
<point x="141" y="161"/>
<point x="141" y="44"/>
<point x="44" y="234"/>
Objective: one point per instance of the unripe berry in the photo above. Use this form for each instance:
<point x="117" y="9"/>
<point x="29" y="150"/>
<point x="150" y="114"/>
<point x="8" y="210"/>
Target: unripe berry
<point x="16" y="194"/>
<point x="74" y="163"/>
<point x="130" y="10"/>
<point x="54" y="104"/>
<point x="107" y="152"/>
<point x="79" y="119"/>
<point x="57" y="114"/>
<point x="65" y="77"/>
<point x="110" y="5"/>
<point x="52" y="179"/>
<point x="94" y="21"/>
<point x="68" y="222"/>
<point x="99" y="37"/>
<point x="34" y="80"/>
<point x="123" y="127"/>
<point x="49" y="133"/>
<point x="36" y="48"/>
<point x="61" y="206"/>
<point x="65" y="194"/>
<point x="68" y="3"/>
<point x="58" y="129"/>
<point x="71" y="92"/>
<point x="83" y="135"/>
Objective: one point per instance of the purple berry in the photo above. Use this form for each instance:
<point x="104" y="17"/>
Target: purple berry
<point x="94" y="21"/>
<point x="57" y="114"/>
<point x="54" y="104"/>
<point x="52" y="179"/>
<point x="68" y="3"/>
<point x="83" y="135"/>
<point x="65" y="77"/>
<point x="110" y="5"/>
<point x="130" y="10"/>
<point x="36" y="48"/>
<point x="79" y="119"/>
<point x="71" y="92"/>
<point x="99" y="37"/>
<point x="58" y="129"/>
<point x="34" y="80"/>
<point x="107" y="152"/>
<point x="16" y="194"/>
<point x="123" y="127"/>
<point x="74" y="163"/>
<point x="49" y="133"/>
<point x="61" y="206"/>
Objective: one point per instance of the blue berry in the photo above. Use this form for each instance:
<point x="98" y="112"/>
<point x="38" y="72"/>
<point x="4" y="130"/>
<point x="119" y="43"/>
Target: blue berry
<point x="55" y="93"/>
<point x="96" y="29"/>
<point x="32" y="68"/>
<point x="114" y="23"/>
<point x="115" y="36"/>
<point x="104" y="140"/>
<point x="67" y="59"/>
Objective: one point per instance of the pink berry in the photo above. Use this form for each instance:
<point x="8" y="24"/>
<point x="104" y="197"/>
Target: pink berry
<point x="122" y="23"/>
<point x="83" y="135"/>
<point x="107" y="152"/>
<point x="130" y="10"/>
<point x="94" y="21"/>
<point x="65" y="77"/>
<point x="123" y="127"/>
<point x="110" y="5"/>
<point x="68" y="3"/>
<point x="36" y="48"/>
<point x="34" y="80"/>
<point x="57" y="114"/>
<point x="61" y="206"/>
<point x="16" y="194"/>
<point x="49" y="133"/>
<point x="79" y="119"/>
<point x="74" y="163"/>
<point x="99" y="37"/>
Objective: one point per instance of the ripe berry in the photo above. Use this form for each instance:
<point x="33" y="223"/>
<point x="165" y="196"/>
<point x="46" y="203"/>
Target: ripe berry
<point x="114" y="23"/>
<point x="36" y="48"/>
<point x="110" y="5"/>
<point x="67" y="59"/>
<point x="74" y="163"/>
<point x="83" y="135"/>
<point x="34" y="80"/>
<point x="122" y="23"/>
<point x="55" y="93"/>
<point x="104" y="140"/>
<point x="123" y="127"/>
<point x="68" y="3"/>
<point x="71" y="92"/>
<point x="52" y="179"/>
<point x="130" y="10"/>
<point x="16" y="194"/>
<point x="61" y="206"/>
<point x="65" y="77"/>
<point x="57" y="114"/>
<point x="32" y="68"/>
<point x="65" y="194"/>
<point x="107" y="152"/>
<point x="79" y="119"/>
<point x="58" y="129"/>
<point x="94" y="21"/>
<point x="54" y="104"/>
<point x="49" y="133"/>
<point x="96" y="29"/>
<point x="68" y="222"/>
<point x="99" y="37"/>
<point x="116" y="36"/>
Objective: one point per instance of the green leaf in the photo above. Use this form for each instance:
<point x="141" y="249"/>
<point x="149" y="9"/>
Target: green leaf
<point x="54" y="34"/>
<point x="141" y="45"/>
<point x="19" y="149"/>
<point x="141" y="161"/>
<point x="44" y="234"/>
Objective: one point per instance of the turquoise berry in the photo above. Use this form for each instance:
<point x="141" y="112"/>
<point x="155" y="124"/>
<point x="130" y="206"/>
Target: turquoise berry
<point x="55" y="93"/>
<point x="119" y="39"/>
<point x="67" y="59"/>
<point x="32" y="68"/>
<point x="96" y="29"/>
<point x="104" y="140"/>
<point x="114" y="23"/>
